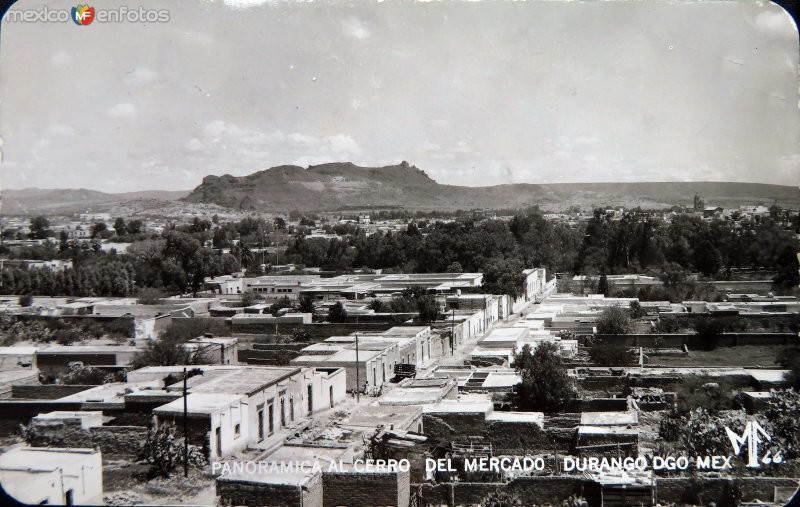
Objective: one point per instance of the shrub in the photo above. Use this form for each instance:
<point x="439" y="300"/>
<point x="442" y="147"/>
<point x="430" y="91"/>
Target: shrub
<point x="637" y="312"/>
<point x="500" y="498"/>
<point x="668" y="324"/>
<point x="337" y="313"/>
<point x="149" y="296"/>
<point x="163" y="449"/>
<point x="709" y="329"/>
<point x="614" y="320"/>
<point x="611" y="354"/>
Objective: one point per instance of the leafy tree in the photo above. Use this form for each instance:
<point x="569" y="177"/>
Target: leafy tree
<point x="40" y="227"/>
<point x="402" y="305"/>
<point x="149" y="296"/>
<point x="637" y="312"/>
<point x="134" y="227"/>
<point x="166" y="352"/>
<point x="120" y="227"/>
<point x="667" y="324"/>
<point x="428" y="308"/>
<point x="707" y="258"/>
<point x="97" y="229"/>
<point x="276" y="307"/>
<point x="788" y="270"/>
<point x="504" y="276"/>
<point x="26" y="300"/>
<point x="602" y="285"/>
<point x="614" y="320"/>
<point x="337" y="313"/>
<point x="455" y="267"/>
<point x="611" y="354"/>
<point x="545" y="385"/>
<point x="709" y="329"/>
<point x="781" y="412"/>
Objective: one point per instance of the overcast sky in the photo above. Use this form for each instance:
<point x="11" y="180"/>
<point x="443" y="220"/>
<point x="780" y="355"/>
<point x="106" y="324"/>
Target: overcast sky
<point x="473" y="93"/>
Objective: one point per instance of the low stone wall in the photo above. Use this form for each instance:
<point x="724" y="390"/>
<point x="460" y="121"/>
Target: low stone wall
<point x="602" y="383"/>
<point x="254" y="494"/>
<point x="45" y="392"/>
<point x="598" y="405"/>
<point x="504" y="436"/>
<point x="532" y="490"/>
<point x="705" y="490"/>
<point x="554" y="489"/>
<point x="316" y="332"/>
<point x="694" y="341"/>
<point x="108" y="439"/>
<point x="119" y="439"/>
<point x="267" y="357"/>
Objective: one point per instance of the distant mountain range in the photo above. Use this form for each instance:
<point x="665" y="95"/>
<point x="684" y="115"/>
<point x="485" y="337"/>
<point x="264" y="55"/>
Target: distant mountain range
<point x="31" y="201"/>
<point x="345" y="186"/>
<point x="340" y="186"/>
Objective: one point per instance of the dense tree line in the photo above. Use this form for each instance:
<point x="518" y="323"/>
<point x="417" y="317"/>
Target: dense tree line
<point x="177" y="261"/>
<point x="635" y="243"/>
<point x="96" y="278"/>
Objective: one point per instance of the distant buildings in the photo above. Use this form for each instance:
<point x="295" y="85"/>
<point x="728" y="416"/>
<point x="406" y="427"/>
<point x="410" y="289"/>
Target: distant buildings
<point x="350" y="286"/>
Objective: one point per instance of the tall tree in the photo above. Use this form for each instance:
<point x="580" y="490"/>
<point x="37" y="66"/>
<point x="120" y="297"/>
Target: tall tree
<point x="545" y="385"/>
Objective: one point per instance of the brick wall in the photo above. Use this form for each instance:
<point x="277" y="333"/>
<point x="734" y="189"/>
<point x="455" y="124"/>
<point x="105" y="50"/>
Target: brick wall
<point x="253" y="494"/>
<point x="350" y="489"/>
<point x="119" y="439"/>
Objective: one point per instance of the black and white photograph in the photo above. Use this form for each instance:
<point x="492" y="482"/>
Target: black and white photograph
<point x="397" y="253"/>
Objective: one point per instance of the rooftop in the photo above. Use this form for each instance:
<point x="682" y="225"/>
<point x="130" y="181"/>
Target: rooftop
<point x="245" y="380"/>
<point x="45" y="458"/>
<point x="201" y="403"/>
<point x="609" y="418"/>
<point x="460" y="406"/>
<point x="520" y="417"/>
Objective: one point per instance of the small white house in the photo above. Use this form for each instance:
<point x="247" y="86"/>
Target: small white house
<point x="46" y="475"/>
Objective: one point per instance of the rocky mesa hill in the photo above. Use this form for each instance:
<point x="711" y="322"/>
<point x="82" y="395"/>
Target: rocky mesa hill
<point x="337" y="186"/>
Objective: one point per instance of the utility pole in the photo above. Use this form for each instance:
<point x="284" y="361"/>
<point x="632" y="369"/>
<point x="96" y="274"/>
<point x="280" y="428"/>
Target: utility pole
<point x="185" y="427"/>
<point x="358" y="377"/>
<point x="453" y="333"/>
